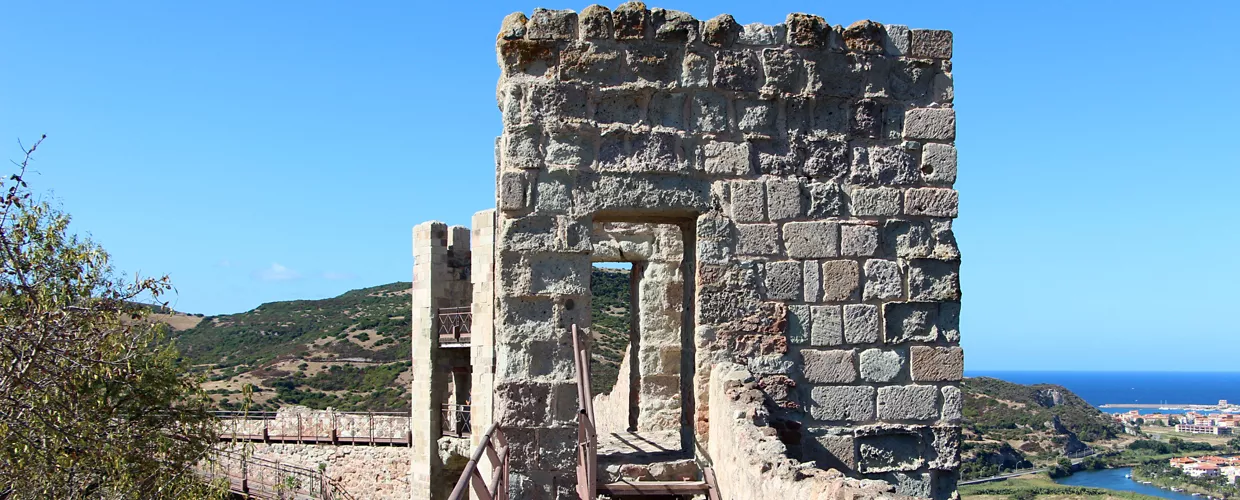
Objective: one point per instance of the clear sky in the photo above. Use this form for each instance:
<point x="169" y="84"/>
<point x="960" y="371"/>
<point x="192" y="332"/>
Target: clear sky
<point x="260" y="151"/>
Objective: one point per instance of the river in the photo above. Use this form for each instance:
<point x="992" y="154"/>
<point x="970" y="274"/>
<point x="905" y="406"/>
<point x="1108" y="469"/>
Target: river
<point x="1113" y="479"/>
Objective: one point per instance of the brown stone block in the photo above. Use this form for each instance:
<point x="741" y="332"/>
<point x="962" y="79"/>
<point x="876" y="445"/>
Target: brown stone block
<point x="936" y="364"/>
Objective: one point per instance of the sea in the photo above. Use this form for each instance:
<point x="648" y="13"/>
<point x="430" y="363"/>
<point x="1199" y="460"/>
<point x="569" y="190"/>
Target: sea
<point x="1136" y="387"/>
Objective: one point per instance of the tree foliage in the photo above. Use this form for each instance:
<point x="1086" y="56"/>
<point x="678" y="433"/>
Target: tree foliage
<point x="92" y="401"/>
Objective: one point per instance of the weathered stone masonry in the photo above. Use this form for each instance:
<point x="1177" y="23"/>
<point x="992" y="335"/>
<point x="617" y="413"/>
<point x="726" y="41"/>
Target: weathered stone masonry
<point x="810" y="167"/>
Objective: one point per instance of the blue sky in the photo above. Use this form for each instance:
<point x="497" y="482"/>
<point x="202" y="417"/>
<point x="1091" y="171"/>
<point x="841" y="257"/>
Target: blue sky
<point x="260" y="151"/>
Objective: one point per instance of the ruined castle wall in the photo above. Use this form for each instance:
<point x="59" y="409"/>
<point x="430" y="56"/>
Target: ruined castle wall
<point x="813" y="166"/>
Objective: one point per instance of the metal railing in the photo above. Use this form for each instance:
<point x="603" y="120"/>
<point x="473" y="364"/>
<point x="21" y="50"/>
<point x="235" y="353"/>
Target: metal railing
<point x="259" y="478"/>
<point x="587" y="435"/>
<point x="454" y="420"/>
<point x="454" y="324"/>
<point x="495" y="447"/>
<point x="372" y="428"/>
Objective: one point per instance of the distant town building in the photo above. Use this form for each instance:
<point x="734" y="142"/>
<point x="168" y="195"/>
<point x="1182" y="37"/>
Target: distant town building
<point x="1203" y="428"/>
<point x="1231" y="473"/>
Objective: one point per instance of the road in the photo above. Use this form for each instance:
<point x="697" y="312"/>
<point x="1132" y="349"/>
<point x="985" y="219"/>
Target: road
<point x="1015" y="473"/>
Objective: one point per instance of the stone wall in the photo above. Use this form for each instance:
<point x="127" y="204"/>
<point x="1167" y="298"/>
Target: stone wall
<point x="366" y="472"/>
<point x="317" y="424"/>
<point x="812" y="167"/>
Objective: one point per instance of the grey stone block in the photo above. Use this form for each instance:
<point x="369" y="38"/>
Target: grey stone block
<point x="936" y="364"/>
<point x="547" y="24"/>
<point x="513" y="191"/>
<point x="654" y="152"/>
<point x="953" y="405"/>
<point x="521" y="148"/>
<point x="756" y="116"/>
<point x="666" y="110"/>
<point x="829" y="367"/>
<point x="920" y="321"/>
<point x="826" y="199"/>
<point x="840" y="280"/>
<point x="807" y="30"/>
<point x="800" y="324"/>
<point x="784" y="200"/>
<point x="875" y="202"/>
<point x="936" y="124"/>
<point x="888" y="166"/>
<point x="932" y="43"/>
<point x="651" y="64"/>
<point x="738" y="70"/>
<point x="944" y="451"/>
<point x="938" y="163"/>
<point x="881" y="366"/>
<point x="710" y="112"/>
<point x="867" y="119"/>
<point x="812" y="240"/>
<point x="934" y="202"/>
<point x="828" y="327"/>
<point x="727" y="158"/>
<point x="573" y="148"/>
<point x="760" y="34"/>
<point x="858" y="240"/>
<point x="897" y="42"/>
<point x="882" y="280"/>
<point x="890" y="452"/>
<point x="618" y="106"/>
<point x="757" y="239"/>
<point x="721" y="31"/>
<point x="812" y="282"/>
<point x="908" y="402"/>
<point x="832" y="451"/>
<point x="912" y="484"/>
<point x="632" y="20"/>
<point x="770" y="364"/>
<point x="906" y="239"/>
<point x="933" y="280"/>
<point x="696" y="70"/>
<point x="748" y="201"/>
<point x="842" y="403"/>
<point x="831" y="116"/>
<point x="785" y="70"/>
<point x="783" y="280"/>
<point x="861" y="323"/>
<point x="673" y="25"/>
<point x="596" y="23"/>
<point x="825" y="159"/>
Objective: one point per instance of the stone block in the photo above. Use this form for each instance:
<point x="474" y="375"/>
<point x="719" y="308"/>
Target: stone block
<point x="936" y="124"/>
<point x="865" y="37"/>
<point x="521" y="148"/>
<point x="666" y="110"/>
<point x="812" y="282"/>
<point x="912" y="484"/>
<point x="832" y="451"/>
<point x="935" y="44"/>
<point x="618" y="106"/>
<point x="721" y="31"/>
<point x="710" y="112"/>
<point x="590" y="63"/>
<point x="908" y="402"/>
<point x="838" y="75"/>
<point x="944" y="451"/>
<point x="738" y="71"/>
<point x="748" y="201"/>
<point x="775" y="156"/>
<point x="842" y="403"/>
<point x="826" y="199"/>
<point x="571" y="148"/>
<point x="938" y="163"/>
<point x="758" y="34"/>
<point x="888" y="166"/>
<point x="727" y="158"/>
<point x="831" y="116"/>
<point x="812" y="240"/>
<point x="858" y="240"/>
<point x="695" y="70"/>
<point x="559" y="100"/>
<point x="806" y="30"/>
<point x="597" y="193"/>
<point x="757" y="239"/>
<point x="784" y="199"/>
<point x="861" y="324"/>
<point x="867" y="119"/>
<point x="936" y="364"/>
<point x="756" y="116"/>
<point x="880" y="366"/>
<point x="875" y="202"/>
<point x="513" y="26"/>
<point x="632" y="20"/>
<point x="953" y="405"/>
<point x="829" y="367"/>
<point x="897" y="42"/>
<point x="840" y="280"/>
<point x="825" y="159"/>
<point x="920" y="321"/>
<point x="652" y="62"/>
<point x="933" y="280"/>
<point x="882" y="280"/>
<point x="513" y="191"/>
<point x="800" y="323"/>
<point x="596" y="23"/>
<point x="828" y="326"/>
<point x="673" y="26"/>
<point x="785" y="70"/>
<point x="552" y="25"/>
<point x="783" y="280"/>
<point x="521" y="404"/>
<point x="553" y="193"/>
<point x="906" y="239"/>
<point x="890" y="452"/>
<point x="933" y="202"/>
<point x="654" y="152"/>
<point x="770" y="364"/>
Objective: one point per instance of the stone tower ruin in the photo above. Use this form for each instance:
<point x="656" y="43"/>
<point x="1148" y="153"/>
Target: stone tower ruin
<point x="784" y="194"/>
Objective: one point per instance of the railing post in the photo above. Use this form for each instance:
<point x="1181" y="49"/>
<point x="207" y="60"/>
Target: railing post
<point x="371" y="417"/>
<point x="298" y="428"/>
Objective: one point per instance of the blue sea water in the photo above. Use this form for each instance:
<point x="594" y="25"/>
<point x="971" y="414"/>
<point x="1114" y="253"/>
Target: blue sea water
<point x="1113" y="479"/>
<point x="1100" y="388"/>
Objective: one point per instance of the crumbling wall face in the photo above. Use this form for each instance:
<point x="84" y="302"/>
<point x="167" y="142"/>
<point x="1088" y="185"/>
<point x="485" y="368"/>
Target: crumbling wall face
<point x="657" y="251"/>
<point x="365" y="472"/>
<point x="814" y="165"/>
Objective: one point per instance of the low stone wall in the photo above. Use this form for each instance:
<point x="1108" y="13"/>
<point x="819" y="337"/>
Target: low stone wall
<point x="611" y="410"/>
<point x="366" y="472"/>
<point x="753" y="463"/>
<point x="303" y="421"/>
